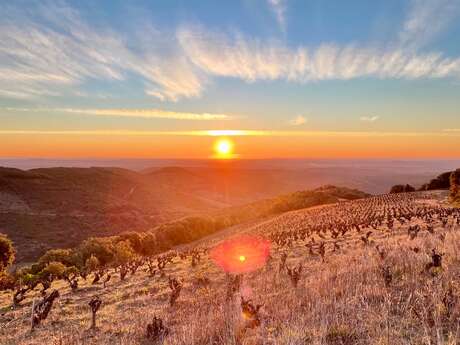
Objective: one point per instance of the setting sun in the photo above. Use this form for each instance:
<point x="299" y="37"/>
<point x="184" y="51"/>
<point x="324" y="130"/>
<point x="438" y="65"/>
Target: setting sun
<point x="224" y="148"/>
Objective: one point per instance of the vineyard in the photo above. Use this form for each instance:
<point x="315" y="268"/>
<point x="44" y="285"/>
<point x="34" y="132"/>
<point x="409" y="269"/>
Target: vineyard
<point x="380" y="270"/>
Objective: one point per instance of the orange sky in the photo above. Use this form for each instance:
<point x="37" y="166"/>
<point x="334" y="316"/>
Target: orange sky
<point x="326" y="145"/>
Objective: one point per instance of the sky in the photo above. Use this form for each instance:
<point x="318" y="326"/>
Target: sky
<point x="280" y="78"/>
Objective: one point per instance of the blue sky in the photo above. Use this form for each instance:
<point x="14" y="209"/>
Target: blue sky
<point x="274" y="65"/>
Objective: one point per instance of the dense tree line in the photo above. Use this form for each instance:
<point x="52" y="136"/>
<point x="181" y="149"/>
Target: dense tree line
<point x="400" y="188"/>
<point x="192" y="228"/>
<point x="442" y="181"/>
<point x="91" y="256"/>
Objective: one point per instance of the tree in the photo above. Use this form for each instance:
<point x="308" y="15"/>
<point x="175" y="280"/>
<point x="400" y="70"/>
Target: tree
<point x="100" y="247"/>
<point x="455" y="185"/>
<point x="440" y="182"/>
<point x="399" y="188"/>
<point x="409" y="188"/>
<point x="123" y="253"/>
<point x="7" y="253"/>
<point x="149" y="245"/>
<point x="54" y="269"/>
<point x="7" y="281"/>
<point x="64" y="256"/>
<point x="134" y="240"/>
<point x="92" y="263"/>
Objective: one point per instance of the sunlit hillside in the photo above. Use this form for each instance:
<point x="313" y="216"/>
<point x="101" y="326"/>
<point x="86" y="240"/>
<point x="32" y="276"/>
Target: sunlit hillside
<point x="60" y="207"/>
<point x="380" y="270"/>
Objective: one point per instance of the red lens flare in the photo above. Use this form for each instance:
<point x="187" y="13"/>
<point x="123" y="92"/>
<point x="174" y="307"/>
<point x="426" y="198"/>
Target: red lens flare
<point x="242" y="254"/>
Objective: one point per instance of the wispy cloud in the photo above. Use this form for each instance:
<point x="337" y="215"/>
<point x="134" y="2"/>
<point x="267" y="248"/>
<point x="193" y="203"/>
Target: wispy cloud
<point x="369" y="118"/>
<point x="247" y="133"/>
<point x="25" y="93"/>
<point x="298" y="120"/>
<point x="252" y="59"/>
<point x="55" y="49"/>
<point x="134" y="113"/>
<point x="426" y="19"/>
<point x="278" y="8"/>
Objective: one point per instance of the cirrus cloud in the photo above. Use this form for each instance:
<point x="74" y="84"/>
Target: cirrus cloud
<point x="55" y="51"/>
<point x="252" y="59"/>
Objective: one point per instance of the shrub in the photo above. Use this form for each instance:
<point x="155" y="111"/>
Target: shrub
<point x="7" y="252"/>
<point x="54" y="269"/>
<point x="100" y="247"/>
<point x="7" y="281"/>
<point x="64" y="256"/>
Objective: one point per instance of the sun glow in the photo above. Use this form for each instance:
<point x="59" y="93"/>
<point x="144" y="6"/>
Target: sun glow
<point x="223" y="148"/>
<point x="241" y="254"/>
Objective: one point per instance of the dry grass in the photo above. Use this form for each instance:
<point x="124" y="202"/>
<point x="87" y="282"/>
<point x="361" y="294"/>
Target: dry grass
<point x="345" y="300"/>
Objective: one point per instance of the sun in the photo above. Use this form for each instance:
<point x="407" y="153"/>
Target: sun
<point x="223" y="148"/>
<point x="242" y="258"/>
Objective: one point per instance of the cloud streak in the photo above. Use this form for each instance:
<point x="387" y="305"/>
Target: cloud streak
<point x="132" y="113"/>
<point x="369" y="118"/>
<point x="242" y="133"/>
<point x="278" y="8"/>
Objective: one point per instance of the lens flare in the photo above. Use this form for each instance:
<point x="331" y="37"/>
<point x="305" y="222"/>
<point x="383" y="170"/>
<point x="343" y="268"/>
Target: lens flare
<point x="242" y="254"/>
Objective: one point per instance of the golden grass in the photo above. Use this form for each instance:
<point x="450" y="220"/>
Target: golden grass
<point x="343" y="301"/>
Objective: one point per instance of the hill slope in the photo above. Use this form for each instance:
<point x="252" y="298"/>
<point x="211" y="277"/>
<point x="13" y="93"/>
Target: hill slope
<point x="59" y="207"/>
<point x="194" y="227"/>
<point x="372" y="274"/>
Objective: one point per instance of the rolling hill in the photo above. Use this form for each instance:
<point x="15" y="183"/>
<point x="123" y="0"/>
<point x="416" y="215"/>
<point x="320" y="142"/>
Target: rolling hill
<point x="379" y="270"/>
<point x="59" y="207"/>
